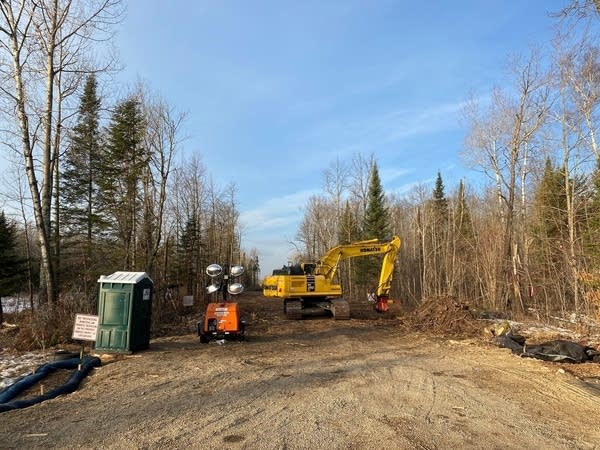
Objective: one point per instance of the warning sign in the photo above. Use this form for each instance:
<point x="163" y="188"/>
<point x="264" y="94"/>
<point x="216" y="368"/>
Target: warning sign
<point x="86" y="327"/>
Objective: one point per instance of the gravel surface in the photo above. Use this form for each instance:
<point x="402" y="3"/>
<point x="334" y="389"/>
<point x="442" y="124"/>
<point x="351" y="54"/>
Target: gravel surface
<point x="368" y="382"/>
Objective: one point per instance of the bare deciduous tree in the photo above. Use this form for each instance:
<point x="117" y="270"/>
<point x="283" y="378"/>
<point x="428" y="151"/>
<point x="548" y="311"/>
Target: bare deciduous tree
<point x="162" y="138"/>
<point x="45" y="40"/>
<point x="500" y="142"/>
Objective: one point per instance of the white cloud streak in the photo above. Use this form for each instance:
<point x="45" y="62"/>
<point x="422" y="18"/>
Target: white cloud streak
<point x="272" y="226"/>
<point x="276" y="213"/>
<point x="369" y="133"/>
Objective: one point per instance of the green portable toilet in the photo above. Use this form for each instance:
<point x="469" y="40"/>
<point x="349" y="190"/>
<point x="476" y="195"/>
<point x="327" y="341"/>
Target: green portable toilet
<point x="124" y="312"/>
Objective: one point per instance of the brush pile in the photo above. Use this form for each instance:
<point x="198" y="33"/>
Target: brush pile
<point x="445" y="316"/>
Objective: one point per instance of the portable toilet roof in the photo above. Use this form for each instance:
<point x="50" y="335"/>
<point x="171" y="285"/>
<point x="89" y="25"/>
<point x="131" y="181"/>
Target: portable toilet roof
<point x="124" y="277"/>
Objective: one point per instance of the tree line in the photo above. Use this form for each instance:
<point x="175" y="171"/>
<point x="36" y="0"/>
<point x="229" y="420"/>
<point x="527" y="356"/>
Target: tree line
<point x="526" y="242"/>
<point x="98" y="183"/>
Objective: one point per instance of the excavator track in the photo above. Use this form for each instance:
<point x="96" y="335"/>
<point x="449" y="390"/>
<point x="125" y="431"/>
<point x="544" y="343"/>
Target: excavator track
<point x="293" y="309"/>
<point x="340" y="309"/>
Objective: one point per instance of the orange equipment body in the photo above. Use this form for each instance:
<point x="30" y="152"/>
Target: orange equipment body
<point x="221" y="321"/>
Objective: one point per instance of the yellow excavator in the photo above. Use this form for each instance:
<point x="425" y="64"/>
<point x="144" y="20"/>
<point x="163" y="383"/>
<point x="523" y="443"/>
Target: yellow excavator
<point x="311" y="288"/>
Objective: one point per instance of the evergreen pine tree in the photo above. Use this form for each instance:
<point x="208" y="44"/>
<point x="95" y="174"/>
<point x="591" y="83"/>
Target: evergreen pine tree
<point x="463" y="239"/>
<point x="436" y="238"/>
<point x="82" y="167"/>
<point x="440" y="201"/>
<point x="188" y="256"/>
<point x="81" y="220"/>
<point x="549" y="225"/>
<point x="124" y="163"/>
<point x="376" y="226"/>
<point x="592" y="234"/>
<point x="13" y="271"/>
<point x="550" y="204"/>
<point x="463" y="225"/>
<point x="376" y="222"/>
<point x="255" y="270"/>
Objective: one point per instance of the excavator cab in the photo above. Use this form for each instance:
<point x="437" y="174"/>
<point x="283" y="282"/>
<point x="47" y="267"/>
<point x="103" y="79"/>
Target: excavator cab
<point x="308" y="268"/>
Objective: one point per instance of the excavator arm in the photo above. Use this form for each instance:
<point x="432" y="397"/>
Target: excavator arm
<point x="328" y="264"/>
<point x="385" y="276"/>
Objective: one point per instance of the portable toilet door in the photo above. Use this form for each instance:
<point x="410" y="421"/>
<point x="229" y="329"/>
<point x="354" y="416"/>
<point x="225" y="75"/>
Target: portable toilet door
<point x="124" y="312"/>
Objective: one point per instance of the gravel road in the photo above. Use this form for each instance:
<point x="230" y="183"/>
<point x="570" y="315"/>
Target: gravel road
<point x="321" y="384"/>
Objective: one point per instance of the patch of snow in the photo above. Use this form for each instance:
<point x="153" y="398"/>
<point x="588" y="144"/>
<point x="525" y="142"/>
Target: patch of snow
<point x="13" y="367"/>
<point x="549" y="329"/>
<point x="14" y="304"/>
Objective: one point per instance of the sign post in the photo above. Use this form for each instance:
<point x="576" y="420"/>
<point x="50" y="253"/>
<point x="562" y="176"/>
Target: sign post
<point x="85" y="329"/>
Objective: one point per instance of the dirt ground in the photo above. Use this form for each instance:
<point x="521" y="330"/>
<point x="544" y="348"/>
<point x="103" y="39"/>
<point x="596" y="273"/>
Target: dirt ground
<point x="394" y="381"/>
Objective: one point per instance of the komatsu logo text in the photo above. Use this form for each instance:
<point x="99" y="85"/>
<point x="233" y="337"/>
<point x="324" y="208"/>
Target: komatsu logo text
<point x="370" y="249"/>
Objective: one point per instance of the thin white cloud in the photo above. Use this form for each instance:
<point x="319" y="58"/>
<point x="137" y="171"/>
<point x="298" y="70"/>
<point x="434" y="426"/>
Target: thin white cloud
<point x="389" y="174"/>
<point x="276" y="213"/>
<point x="366" y="133"/>
<point x="271" y="228"/>
<point x="273" y="252"/>
<point x="406" y="123"/>
<point x="407" y="188"/>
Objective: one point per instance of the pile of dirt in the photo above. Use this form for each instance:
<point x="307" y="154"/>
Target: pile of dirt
<point x="443" y="315"/>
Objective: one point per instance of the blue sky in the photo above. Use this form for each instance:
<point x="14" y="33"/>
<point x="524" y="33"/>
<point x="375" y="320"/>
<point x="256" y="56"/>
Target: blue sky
<point x="275" y="91"/>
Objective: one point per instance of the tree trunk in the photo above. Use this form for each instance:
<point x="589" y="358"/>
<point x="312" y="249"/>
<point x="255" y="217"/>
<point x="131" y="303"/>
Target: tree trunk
<point x="38" y="210"/>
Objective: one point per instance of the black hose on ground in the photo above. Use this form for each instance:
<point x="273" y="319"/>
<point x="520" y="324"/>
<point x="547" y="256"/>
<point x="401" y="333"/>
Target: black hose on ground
<point x="24" y="383"/>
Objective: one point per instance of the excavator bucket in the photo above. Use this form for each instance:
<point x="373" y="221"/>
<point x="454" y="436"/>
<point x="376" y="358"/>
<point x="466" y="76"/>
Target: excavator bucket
<point x="381" y="305"/>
